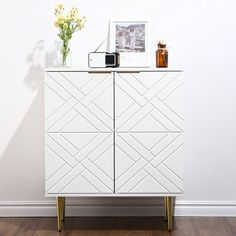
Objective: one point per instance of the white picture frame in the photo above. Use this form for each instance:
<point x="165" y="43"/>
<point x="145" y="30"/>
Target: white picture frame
<point x="131" y="39"/>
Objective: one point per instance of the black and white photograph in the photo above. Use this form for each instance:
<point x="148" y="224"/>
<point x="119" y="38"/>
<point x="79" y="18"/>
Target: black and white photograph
<point x="130" y="37"/>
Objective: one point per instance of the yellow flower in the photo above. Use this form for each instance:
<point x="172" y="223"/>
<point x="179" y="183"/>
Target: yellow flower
<point x="60" y="6"/>
<point x="74" y="10"/>
<point x="60" y="19"/>
<point x="59" y="9"/>
<point x="68" y="23"/>
<point x="68" y="18"/>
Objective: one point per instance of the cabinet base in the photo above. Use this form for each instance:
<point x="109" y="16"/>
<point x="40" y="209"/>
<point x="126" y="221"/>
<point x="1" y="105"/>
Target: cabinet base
<point x="61" y="212"/>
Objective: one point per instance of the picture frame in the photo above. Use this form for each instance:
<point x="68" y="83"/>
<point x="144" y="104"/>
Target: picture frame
<point x="131" y="39"/>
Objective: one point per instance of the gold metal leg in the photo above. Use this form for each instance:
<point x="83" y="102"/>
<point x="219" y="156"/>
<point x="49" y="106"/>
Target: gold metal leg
<point x="60" y="212"/>
<point x="169" y="213"/>
<point x="165" y="207"/>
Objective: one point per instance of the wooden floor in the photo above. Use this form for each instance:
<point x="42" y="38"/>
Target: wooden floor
<point x="119" y="226"/>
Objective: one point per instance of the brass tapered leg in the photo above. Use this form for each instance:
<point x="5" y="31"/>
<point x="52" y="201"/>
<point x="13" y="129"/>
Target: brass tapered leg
<point x="169" y="213"/>
<point x="165" y="200"/>
<point x="60" y="213"/>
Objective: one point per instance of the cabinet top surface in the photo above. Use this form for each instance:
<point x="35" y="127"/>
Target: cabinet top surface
<point x="59" y="69"/>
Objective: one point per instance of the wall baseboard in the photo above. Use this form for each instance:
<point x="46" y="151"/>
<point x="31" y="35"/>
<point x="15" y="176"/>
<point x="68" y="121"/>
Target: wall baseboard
<point x="131" y="207"/>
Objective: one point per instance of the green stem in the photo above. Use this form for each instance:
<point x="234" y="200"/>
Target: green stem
<point x="65" y="51"/>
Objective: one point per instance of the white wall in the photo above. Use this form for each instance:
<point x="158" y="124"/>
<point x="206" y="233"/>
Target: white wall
<point x="201" y="36"/>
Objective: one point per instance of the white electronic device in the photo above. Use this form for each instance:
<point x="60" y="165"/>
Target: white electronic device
<point x="103" y="59"/>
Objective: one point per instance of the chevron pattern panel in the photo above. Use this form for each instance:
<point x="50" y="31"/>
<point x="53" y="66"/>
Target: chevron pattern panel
<point x="149" y="132"/>
<point x="79" y="132"/>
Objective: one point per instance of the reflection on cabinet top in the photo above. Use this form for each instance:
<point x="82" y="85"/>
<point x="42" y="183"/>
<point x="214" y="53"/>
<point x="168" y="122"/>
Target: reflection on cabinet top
<point x="108" y="70"/>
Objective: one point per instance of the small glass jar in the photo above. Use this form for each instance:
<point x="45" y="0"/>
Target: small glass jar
<point x="161" y="55"/>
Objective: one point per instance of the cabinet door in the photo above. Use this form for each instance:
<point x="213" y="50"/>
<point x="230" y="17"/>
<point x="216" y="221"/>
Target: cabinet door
<point x="148" y="132"/>
<point x="79" y="132"/>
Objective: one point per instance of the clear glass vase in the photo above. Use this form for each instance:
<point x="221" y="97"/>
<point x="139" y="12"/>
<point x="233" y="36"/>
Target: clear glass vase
<point x="65" y="54"/>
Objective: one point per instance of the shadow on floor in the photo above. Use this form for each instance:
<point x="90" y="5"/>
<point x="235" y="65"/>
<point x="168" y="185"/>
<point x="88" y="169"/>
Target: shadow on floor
<point x="77" y="225"/>
<point x="115" y="223"/>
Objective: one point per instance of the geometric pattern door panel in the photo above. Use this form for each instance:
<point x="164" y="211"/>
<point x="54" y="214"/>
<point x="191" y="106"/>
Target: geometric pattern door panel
<point x="148" y="132"/>
<point x="79" y="154"/>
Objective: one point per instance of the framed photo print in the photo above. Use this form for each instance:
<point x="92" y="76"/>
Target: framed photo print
<point x="130" y="39"/>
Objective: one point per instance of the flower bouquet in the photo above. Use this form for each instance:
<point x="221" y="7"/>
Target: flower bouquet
<point x="67" y="24"/>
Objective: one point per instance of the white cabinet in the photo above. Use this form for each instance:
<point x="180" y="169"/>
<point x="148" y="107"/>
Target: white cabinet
<point x="113" y="132"/>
